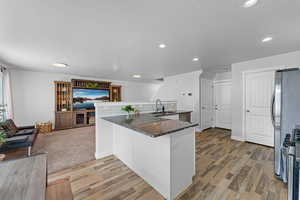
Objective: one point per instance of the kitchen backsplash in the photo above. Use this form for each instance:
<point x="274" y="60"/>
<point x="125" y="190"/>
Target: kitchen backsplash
<point x="109" y="109"/>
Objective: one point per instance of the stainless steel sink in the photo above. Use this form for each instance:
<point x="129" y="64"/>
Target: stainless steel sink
<point x="159" y="114"/>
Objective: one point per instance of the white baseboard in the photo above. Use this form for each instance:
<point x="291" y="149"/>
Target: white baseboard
<point x="102" y="155"/>
<point x="198" y="129"/>
<point x="238" y="138"/>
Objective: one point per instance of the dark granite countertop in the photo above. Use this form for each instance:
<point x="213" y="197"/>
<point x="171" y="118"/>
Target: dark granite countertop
<point x="151" y="124"/>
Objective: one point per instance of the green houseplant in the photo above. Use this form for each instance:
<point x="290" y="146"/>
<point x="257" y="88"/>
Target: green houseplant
<point x="2" y="137"/>
<point x="128" y="109"/>
<point x="92" y="85"/>
<point x="2" y="140"/>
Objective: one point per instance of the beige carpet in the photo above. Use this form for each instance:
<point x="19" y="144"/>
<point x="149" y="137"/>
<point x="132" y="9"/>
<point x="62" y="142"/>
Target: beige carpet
<point x="67" y="148"/>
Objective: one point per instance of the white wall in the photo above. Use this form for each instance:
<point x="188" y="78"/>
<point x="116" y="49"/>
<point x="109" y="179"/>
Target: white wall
<point x="33" y="94"/>
<point x="288" y="59"/>
<point x="177" y="88"/>
<point x="216" y="76"/>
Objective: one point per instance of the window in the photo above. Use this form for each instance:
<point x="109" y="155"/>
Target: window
<point x="1" y="87"/>
<point x="2" y="107"/>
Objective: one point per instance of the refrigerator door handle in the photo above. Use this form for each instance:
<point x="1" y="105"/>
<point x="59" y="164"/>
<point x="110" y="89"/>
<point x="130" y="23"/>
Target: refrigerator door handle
<point x="290" y="177"/>
<point x="272" y="109"/>
<point x="290" y="167"/>
<point x="276" y="119"/>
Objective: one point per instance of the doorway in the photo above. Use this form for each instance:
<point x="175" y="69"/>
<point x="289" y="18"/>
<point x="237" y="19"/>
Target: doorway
<point x="258" y="91"/>
<point x="206" y="103"/>
<point x="222" y="102"/>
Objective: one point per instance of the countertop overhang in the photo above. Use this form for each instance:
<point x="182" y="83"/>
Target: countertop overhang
<point x="151" y="124"/>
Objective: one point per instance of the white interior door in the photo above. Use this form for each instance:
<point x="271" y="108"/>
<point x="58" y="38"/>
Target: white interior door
<point x="258" y="125"/>
<point x="222" y="93"/>
<point x="206" y="103"/>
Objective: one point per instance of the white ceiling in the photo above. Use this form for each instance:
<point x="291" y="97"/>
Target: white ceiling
<point x="115" y="39"/>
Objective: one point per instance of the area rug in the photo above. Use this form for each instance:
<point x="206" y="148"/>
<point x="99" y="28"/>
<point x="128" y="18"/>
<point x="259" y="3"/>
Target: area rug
<point x="67" y="148"/>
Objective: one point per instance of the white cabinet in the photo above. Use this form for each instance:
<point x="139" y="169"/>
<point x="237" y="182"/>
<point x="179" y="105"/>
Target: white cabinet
<point x="174" y="117"/>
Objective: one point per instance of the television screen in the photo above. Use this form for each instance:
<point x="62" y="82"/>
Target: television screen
<point x="83" y="99"/>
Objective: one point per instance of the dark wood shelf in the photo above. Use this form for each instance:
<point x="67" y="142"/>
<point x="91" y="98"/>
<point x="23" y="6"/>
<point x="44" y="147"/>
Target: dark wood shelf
<point x="88" y="84"/>
<point x="65" y="116"/>
<point x="63" y="96"/>
<point x="115" y="93"/>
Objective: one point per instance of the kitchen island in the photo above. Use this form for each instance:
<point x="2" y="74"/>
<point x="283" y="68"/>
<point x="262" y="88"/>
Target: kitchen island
<point x="161" y="151"/>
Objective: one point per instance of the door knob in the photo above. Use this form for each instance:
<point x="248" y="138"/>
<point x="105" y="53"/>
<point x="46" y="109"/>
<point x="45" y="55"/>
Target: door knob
<point x="203" y="107"/>
<point x="247" y="111"/>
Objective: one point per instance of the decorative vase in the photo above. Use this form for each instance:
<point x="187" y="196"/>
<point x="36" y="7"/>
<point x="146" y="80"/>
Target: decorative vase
<point x="129" y="115"/>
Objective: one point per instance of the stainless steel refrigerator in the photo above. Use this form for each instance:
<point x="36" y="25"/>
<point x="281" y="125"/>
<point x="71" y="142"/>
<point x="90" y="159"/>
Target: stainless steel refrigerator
<point x="285" y="115"/>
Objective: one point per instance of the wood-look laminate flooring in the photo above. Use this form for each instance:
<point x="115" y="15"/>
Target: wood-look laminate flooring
<point x="225" y="170"/>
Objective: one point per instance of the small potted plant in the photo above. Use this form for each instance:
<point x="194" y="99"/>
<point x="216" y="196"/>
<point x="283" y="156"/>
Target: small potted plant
<point x="128" y="109"/>
<point x="2" y="137"/>
<point x="2" y="141"/>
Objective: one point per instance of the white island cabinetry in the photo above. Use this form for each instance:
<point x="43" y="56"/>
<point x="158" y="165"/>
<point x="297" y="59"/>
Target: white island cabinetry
<point x="166" y="161"/>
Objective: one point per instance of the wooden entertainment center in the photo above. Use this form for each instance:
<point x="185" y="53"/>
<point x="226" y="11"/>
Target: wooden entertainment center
<point x="65" y="116"/>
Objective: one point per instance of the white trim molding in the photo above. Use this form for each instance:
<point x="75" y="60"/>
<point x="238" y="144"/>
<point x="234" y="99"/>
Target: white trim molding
<point x="241" y="139"/>
<point x="222" y="81"/>
<point x="198" y="129"/>
<point x="102" y="155"/>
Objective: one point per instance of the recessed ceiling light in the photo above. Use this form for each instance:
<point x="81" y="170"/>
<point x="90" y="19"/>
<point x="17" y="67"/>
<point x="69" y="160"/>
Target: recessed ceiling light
<point x="60" y="65"/>
<point x="267" y="39"/>
<point x="195" y="59"/>
<point x="250" y="3"/>
<point x="136" y="76"/>
<point x="162" y="46"/>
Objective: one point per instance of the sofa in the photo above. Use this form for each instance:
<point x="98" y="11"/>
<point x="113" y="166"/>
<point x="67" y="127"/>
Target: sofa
<point x="18" y="137"/>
